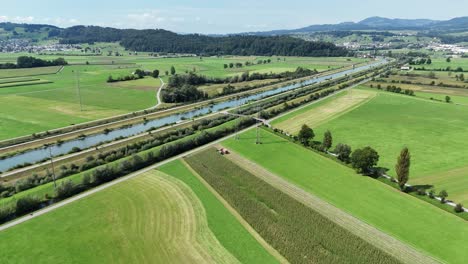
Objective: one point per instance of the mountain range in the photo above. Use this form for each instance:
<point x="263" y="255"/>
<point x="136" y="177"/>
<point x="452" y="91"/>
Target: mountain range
<point x="379" y="23"/>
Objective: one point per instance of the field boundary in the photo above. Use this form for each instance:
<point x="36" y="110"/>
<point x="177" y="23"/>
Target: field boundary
<point x="402" y="251"/>
<point x="239" y="218"/>
<point x="39" y="74"/>
<point x="338" y="114"/>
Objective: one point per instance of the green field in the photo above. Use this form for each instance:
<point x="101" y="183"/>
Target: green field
<point x="164" y="220"/>
<point x="427" y="228"/>
<point x="9" y="73"/>
<point x="441" y="63"/>
<point x="223" y="224"/>
<point x="298" y="232"/>
<point x="435" y="133"/>
<point x="28" y="109"/>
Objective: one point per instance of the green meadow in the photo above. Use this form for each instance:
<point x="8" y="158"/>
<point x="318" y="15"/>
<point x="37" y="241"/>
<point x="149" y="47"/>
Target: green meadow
<point x="424" y="226"/>
<point x="164" y="220"/>
<point x="435" y="132"/>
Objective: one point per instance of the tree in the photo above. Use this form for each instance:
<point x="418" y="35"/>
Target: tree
<point x="305" y="135"/>
<point x="225" y="66"/>
<point x="342" y="152"/>
<point x="173" y="71"/>
<point x="155" y="74"/>
<point x="27" y="204"/>
<point x="402" y="167"/>
<point x="429" y="61"/>
<point x="327" y="140"/>
<point x="66" y="189"/>
<point x="364" y="159"/>
<point x="448" y="59"/>
<point x="447" y="99"/>
<point x="458" y="208"/>
<point x="443" y="195"/>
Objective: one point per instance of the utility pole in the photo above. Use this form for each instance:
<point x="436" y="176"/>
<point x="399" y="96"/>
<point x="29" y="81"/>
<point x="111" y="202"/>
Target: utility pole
<point x="77" y="77"/>
<point x="258" y="126"/>
<point x="239" y="118"/>
<point x="53" y="169"/>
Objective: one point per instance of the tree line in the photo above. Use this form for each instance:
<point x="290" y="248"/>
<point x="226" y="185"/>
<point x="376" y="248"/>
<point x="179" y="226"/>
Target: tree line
<point x="158" y="40"/>
<point x="32" y="62"/>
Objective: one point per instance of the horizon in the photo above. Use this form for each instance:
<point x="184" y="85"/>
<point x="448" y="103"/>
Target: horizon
<point x="211" y="17"/>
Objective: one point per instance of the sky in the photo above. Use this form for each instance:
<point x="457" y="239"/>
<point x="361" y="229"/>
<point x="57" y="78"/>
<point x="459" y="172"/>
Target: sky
<point x="219" y="16"/>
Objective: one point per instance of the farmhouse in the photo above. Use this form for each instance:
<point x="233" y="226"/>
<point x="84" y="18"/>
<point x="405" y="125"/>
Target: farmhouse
<point x="405" y="68"/>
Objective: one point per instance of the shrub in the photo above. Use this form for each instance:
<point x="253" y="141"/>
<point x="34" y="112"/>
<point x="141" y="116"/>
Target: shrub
<point x="458" y="208"/>
<point x="27" y="204"/>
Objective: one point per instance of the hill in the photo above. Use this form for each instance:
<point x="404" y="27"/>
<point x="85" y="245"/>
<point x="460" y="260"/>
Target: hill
<point x="163" y="41"/>
<point x="379" y="23"/>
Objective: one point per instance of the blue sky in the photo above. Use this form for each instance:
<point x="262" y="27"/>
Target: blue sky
<point x="216" y="16"/>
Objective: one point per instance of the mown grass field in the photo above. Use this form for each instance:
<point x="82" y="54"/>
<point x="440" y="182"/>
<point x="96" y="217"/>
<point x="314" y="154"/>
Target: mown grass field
<point x="435" y="133"/>
<point x="323" y="111"/>
<point x="163" y="221"/>
<point x="441" y="63"/>
<point x="299" y="233"/>
<point x="9" y="73"/>
<point x="27" y="109"/>
<point x="227" y="229"/>
<point x="425" y="227"/>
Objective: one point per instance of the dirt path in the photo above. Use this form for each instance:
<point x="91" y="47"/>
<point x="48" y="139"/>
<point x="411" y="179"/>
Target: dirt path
<point x="381" y="240"/>
<point x="158" y="93"/>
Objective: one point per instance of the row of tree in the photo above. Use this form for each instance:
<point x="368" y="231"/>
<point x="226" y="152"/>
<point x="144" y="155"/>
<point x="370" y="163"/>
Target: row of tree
<point x="32" y="62"/>
<point x="364" y="160"/>
<point x="247" y="63"/>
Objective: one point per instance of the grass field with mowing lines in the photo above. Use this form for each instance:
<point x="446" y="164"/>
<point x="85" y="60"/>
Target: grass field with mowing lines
<point x="7" y="73"/>
<point x="299" y="233"/>
<point x="232" y="235"/>
<point x="427" y="228"/>
<point x="436" y="134"/>
<point x="324" y="111"/>
<point x="163" y="221"/>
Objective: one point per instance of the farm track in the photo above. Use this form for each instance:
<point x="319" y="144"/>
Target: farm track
<point x="381" y="240"/>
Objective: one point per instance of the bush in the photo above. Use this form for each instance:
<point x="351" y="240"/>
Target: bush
<point x="27" y="204"/>
<point x="458" y="208"/>
<point x="65" y="190"/>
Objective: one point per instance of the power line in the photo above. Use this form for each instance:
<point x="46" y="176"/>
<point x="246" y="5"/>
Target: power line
<point x="77" y="81"/>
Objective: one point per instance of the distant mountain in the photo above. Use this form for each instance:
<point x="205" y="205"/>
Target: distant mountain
<point x="379" y="23"/>
<point x="397" y="22"/>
